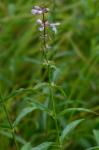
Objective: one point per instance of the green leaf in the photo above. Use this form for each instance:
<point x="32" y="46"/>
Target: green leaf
<point x="23" y="90"/>
<point x="93" y="148"/>
<point x="29" y="109"/>
<point x="4" y="126"/>
<point x="76" y="109"/>
<point x="18" y="92"/>
<point x="69" y="128"/>
<point x="40" y="85"/>
<point x="96" y="134"/>
<point x="43" y="146"/>
<point x="27" y="146"/>
<point x="9" y="135"/>
<point x="23" y="113"/>
<point x="61" y="90"/>
<point x="39" y="106"/>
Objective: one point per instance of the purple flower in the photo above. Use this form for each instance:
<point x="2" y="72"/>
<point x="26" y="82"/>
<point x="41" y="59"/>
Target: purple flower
<point x="54" y="26"/>
<point x="39" y="10"/>
<point x="42" y="24"/>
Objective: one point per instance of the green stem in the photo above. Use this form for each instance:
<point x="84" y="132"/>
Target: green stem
<point x="10" y="123"/>
<point x="50" y="82"/>
<point x="54" y="110"/>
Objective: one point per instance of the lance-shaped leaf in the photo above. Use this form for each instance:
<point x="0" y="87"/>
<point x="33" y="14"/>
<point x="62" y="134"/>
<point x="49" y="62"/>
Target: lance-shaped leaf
<point x="96" y="135"/>
<point x="76" y="110"/>
<point x="70" y="127"/>
<point x="22" y="114"/>
<point x="43" y="146"/>
<point x="33" y="106"/>
<point x="27" y="146"/>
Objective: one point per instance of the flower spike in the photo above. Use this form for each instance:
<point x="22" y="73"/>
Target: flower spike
<point x="44" y="23"/>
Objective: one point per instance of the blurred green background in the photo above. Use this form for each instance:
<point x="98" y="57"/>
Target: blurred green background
<point x="75" y="52"/>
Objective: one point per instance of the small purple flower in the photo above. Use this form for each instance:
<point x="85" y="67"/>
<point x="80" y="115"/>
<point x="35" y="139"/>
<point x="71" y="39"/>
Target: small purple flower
<point x="39" y="21"/>
<point x="42" y="24"/>
<point x="39" y="10"/>
<point x="53" y="26"/>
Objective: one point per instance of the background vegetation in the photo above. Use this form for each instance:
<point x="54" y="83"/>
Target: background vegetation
<point x="23" y="88"/>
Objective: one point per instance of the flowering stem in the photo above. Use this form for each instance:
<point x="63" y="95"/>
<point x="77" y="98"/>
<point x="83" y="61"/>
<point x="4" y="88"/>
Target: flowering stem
<point x="44" y="40"/>
<point x="51" y="90"/>
<point x="10" y="123"/>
